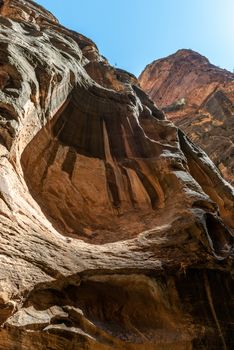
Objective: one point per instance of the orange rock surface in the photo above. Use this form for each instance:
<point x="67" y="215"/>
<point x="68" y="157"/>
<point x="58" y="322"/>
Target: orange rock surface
<point x="116" y="230"/>
<point x="199" y="98"/>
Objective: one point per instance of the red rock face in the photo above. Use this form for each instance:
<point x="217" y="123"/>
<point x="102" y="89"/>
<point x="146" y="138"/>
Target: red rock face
<point x="116" y="230"/>
<point x="198" y="97"/>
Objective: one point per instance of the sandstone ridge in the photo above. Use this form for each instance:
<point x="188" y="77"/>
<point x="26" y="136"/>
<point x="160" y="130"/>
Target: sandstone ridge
<point x="116" y="230"/>
<point x="199" y="98"/>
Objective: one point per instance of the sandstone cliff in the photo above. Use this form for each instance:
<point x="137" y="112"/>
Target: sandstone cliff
<point x="116" y="230"/>
<point x="199" y="98"/>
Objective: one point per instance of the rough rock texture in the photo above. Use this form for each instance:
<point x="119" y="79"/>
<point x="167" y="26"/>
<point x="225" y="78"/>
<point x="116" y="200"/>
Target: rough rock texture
<point x="199" y="98"/>
<point x="116" y="230"/>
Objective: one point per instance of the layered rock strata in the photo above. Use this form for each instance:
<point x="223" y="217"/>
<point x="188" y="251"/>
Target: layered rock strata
<point x="199" y="98"/>
<point x="116" y="230"/>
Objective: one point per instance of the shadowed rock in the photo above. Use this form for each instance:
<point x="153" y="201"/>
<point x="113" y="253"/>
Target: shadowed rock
<point x="116" y="230"/>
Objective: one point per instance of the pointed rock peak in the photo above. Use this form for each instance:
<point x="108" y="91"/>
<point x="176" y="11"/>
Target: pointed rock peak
<point x="199" y="97"/>
<point x="190" y="55"/>
<point x="186" y="53"/>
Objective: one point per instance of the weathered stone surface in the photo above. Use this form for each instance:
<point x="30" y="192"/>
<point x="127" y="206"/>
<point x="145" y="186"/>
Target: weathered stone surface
<point x="199" y="98"/>
<point x="116" y="231"/>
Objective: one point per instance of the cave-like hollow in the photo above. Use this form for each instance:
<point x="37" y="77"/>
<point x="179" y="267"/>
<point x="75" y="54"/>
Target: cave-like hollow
<point x="90" y="169"/>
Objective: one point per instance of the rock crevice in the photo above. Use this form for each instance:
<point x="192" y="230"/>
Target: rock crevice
<point x="116" y="230"/>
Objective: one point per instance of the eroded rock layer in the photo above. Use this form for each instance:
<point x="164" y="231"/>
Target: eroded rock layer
<point x="198" y="97"/>
<point x="116" y="230"/>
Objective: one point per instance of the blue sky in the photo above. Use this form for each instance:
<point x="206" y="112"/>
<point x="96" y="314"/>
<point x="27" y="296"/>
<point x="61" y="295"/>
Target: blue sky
<point x="132" y="33"/>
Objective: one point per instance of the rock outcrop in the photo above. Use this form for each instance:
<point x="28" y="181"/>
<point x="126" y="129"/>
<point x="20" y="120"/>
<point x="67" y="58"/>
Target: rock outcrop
<point x="199" y="98"/>
<point x="116" y="230"/>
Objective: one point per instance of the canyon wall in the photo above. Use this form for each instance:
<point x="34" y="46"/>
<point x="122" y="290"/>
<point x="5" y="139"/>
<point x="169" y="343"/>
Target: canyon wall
<point x="199" y="98"/>
<point x="116" y="230"/>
